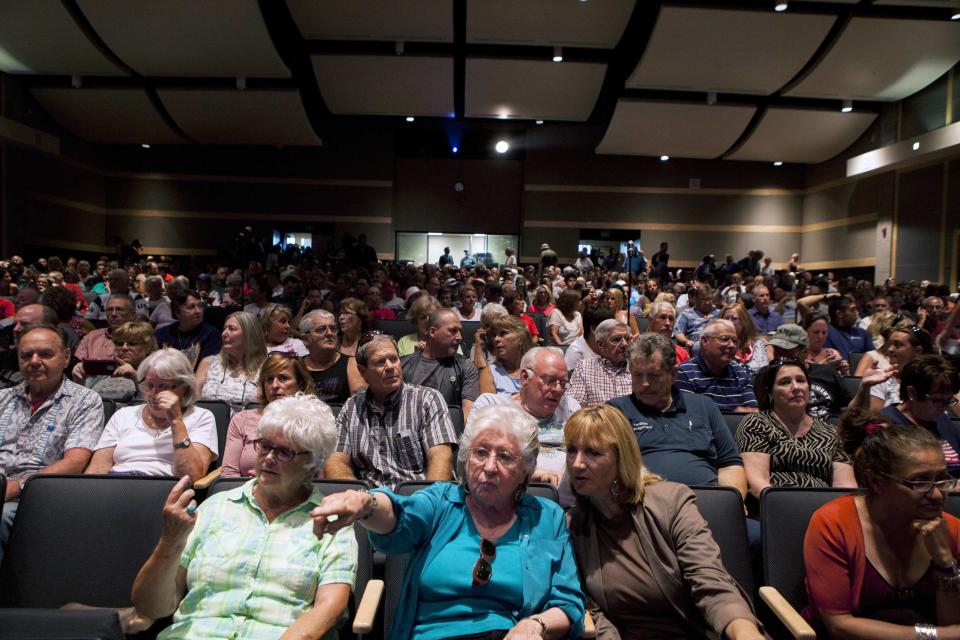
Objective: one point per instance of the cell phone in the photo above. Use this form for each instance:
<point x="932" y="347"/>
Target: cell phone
<point x="99" y="367"/>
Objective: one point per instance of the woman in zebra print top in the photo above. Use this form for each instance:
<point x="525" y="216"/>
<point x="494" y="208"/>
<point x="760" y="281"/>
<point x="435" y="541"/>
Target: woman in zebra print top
<point x="783" y="446"/>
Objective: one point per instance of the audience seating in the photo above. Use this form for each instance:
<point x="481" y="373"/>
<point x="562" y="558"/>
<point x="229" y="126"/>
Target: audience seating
<point x="396" y="328"/>
<point x="221" y="413"/>
<point x="851" y="384"/>
<point x="109" y="408"/>
<point x="217" y="316"/>
<point x="855" y="357"/>
<point x="642" y="324"/>
<point x="78" y="539"/>
<point x="468" y="332"/>
<point x="733" y="421"/>
<point x="456" y="416"/>
<point x="722" y="508"/>
<point x="540" y="321"/>
<point x="364" y="549"/>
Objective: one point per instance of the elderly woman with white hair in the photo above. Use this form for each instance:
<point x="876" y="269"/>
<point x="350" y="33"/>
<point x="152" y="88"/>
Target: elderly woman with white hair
<point x="487" y="559"/>
<point x="166" y="435"/>
<point x="245" y="563"/>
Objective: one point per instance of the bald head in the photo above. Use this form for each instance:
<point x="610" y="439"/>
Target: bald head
<point x="32" y="314"/>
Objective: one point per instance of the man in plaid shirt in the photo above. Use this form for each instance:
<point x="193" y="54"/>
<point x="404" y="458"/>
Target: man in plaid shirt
<point x="597" y="380"/>
<point x="391" y="432"/>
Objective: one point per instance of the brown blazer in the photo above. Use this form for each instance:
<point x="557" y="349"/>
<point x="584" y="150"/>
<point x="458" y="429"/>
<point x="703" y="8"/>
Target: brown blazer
<point x="682" y="554"/>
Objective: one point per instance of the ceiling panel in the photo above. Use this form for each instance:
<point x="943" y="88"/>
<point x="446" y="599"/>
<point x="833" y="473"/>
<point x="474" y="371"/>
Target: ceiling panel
<point x="274" y="117"/>
<point x="876" y="59"/>
<point x="386" y="85"/>
<point x="532" y="89"/>
<point x="727" y="51"/>
<point x="678" y="130"/>
<point x="799" y="135"/>
<point x="40" y="37"/>
<point x="108" y="116"/>
<point x="187" y="38"/>
<point x="414" y="20"/>
<point x="940" y="4"/>
<point x="596" y="24"/>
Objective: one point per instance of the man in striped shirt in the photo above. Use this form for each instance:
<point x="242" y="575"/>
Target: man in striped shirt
<point x="715" y="374"/>
<point x="391" y="432"/>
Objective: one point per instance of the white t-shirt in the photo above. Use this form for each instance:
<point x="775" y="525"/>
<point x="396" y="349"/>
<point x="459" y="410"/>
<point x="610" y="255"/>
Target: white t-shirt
<point x="141" y="449"/>
<point x="888" y="391"/>
<point x="474" y="317"/>
<point x="568" y="331"/>
<point x="293" y="346"/>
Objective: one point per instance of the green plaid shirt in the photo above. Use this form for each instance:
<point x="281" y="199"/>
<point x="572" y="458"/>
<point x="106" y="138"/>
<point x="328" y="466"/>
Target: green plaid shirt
<point x="249" y="578"/>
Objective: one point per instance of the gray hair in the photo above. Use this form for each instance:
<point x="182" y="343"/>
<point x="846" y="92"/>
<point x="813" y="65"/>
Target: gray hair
<point x="606" y="327"/>
<point x="529" y="360"/>
<point x="153" y="280"/>
<point x="121" y="296"/>
<point x="648" y="344"/>
<point x="655" y="308"/>
<point x="714" y="325"/>
<point x="171" y="364"/>
<point x="491" y="312"/>
<point x="438" y="316"/>
<point x="513" y="422"/>
<point x="363" y="353"/>
<point x="305" y="421"/>
<point x="307" y="321"/>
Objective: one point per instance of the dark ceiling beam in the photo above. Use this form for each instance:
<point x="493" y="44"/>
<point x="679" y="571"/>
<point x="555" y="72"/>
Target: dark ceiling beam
<point x="623" y="60"/>
<point x="158" y="82"/>
<point x="448" y="49"/>
<point x="748" y="130"/>
<point x="859" y="10"/>
<point x="459" y="58"/>
<point x="743" y="99"/>
<point x="829" y="40"/>
<point x="291" y="48"/>
<point x="80" y="19"/>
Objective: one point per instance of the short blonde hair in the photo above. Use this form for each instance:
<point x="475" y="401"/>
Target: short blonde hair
<point x="604" y="424"/>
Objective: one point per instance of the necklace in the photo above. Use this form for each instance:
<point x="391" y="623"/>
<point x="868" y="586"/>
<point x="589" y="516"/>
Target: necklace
<point x="151" y="422"/>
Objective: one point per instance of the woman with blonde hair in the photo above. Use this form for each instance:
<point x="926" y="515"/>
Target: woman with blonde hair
<point x="275" y="322"/>
<point x="231" y="375"/>
<point x="417" y="314"/>
<point x="879" y="328"/>
<point x="615" y="300"/>
<point x="512" y="341"/>
<point x="751" y="346"/>
<point x="354" y="317"/>
<point x="648" y="562"/>
<point x="542" y="301"/>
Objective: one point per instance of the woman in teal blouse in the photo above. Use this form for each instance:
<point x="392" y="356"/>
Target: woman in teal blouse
<point x="487" y="560"/>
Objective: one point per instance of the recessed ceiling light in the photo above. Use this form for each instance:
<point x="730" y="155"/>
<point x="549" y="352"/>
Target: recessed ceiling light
<point x="664" y="158"/>
<point x="780" y="7"/>
<point x="410" y="118"/>
<point x="558" y="54"/>
<point x="847" y="106"/>
<point x="778" y="163"/>
<point x="539" y="121"/>
<point x="145" y="145"/>
<point x="916" y="146"/>
<point x="955" y="16"/>
<point x="455" y="149"/>
<point x="502" y="146"/>
<point x="503" y="116"/>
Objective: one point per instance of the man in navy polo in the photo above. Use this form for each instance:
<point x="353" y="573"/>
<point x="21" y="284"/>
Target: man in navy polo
<point x="714" y="373"/>
<point x="765" y="319"/>
<point x="682" y="436"/>
<point x="843" y="334"/>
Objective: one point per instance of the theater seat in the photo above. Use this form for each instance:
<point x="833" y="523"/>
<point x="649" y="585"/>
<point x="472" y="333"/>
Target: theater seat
<point x="722" y="508"/>
<point x="56" y="624"/>
<point x="851" y="384"/>
<point x="395" y="328"/>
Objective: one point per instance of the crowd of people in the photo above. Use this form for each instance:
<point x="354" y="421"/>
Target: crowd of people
<point x="612" y="378"/>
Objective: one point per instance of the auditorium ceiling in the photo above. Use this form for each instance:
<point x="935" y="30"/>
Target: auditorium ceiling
<point x="711" y="79"/>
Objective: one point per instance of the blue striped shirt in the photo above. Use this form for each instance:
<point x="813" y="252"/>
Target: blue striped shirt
<point x="729" y="389"/>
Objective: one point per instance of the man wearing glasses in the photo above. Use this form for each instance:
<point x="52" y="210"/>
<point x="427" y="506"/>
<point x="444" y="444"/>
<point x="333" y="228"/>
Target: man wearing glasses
<point x="48" y="424"/>
<point x="714" y="373"/>
<point x="98" y="344"/>
<point x="391" y="431"/>
<point x="543" y="380"/>
<point x="594" y="381"/>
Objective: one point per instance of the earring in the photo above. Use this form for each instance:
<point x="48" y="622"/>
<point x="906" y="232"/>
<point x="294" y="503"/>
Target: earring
<point x="518" y="494"/>
<point x="616" y="489"/>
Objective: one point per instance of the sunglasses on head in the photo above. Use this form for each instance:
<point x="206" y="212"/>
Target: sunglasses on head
<point x="368" y="337"/>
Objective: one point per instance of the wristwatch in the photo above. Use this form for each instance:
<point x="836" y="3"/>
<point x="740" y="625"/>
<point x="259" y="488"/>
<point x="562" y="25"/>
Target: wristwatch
<point x="183" y="444"/>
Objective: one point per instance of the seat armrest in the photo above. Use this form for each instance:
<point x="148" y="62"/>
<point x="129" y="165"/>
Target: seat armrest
<point x="589" y="629"/>
<point x="207" y="480"/>
<point x="788" y="616"/>
<point x="367" y="610"/>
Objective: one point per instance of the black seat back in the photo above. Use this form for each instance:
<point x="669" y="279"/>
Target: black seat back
<point x="456" y="417"/>
<point x="855" y="357"/>
<point x="221" y="413"/>
<point x="722" y="508"/>
<point x="81" y="539"/>
<point x="468" y="333"/>
<point x="396" y="328"/>
<point x="851" y="384"/>
<point x="733" y="422"/>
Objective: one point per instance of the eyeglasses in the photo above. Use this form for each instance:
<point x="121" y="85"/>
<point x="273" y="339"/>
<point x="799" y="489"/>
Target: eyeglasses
<point x="949" y="401"/>
<point x="505" y="460"/>
<point x="151" y="387"/>
<point x="283" y="354"/>
<point x="128" y="343"/>
<point x="924" y="486"/>
<point x="550" y="381"/>
<point x="264" y="447"/>
<point x="321" y="329"/>
<point x="723" y="339"/>
<point x="783" y="361"/>
<point x="483" y="569"/>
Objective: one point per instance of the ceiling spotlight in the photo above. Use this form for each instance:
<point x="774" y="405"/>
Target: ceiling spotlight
<point x="241" y="83"/>
<point x="558" y="54"/>
<point x="502" y="146"/>
<point x="780" y="6"/>
<point x="398" y="47"/>
<point x="455" y="149"/>
<point x="539" y="121"/>
<point x="75" y="81"/>
<point x="711" y="97"/>
<point x="847" y="106"/>
<point x="778" y="163"/>
<point x="916" y="146"/>
<point x="955" y="16"/>
<point x="503" y="116"/>
<point x="145" y="145"/>
<point x="664" y="158"/>
<point x="410" y="118"/>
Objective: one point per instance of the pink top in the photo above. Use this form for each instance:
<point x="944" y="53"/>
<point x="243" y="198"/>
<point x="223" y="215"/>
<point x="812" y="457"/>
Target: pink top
<point x="239" y="458"/>
<point x="96" y="345"/>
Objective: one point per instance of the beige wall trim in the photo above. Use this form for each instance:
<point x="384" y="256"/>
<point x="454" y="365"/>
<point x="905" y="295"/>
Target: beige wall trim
<point x="663" y="226"/>
<point x="864" y="218"/>
<point x="199" y="215"/>
<point x="849" y="263"/>
<point x="104" y="249"/>
<point x="585" y="188"/>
